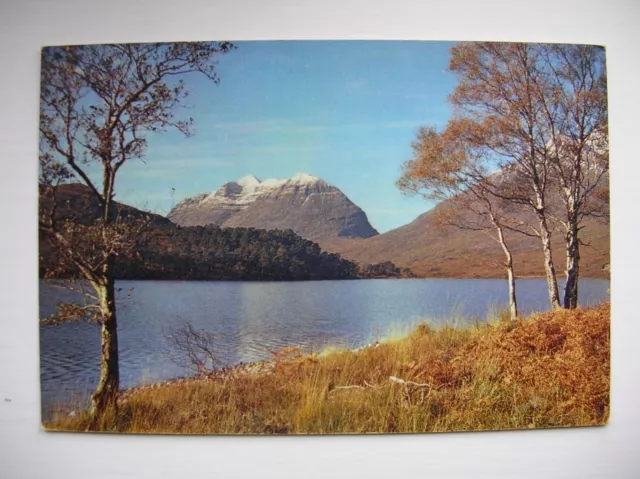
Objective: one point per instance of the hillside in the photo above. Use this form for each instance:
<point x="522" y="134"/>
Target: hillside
<point x="320" y="212"/>
<point x="432" y="251"/>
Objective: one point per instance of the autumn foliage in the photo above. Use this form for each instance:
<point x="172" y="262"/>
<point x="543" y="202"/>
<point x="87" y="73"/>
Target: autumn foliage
<point x="537" y="115"/>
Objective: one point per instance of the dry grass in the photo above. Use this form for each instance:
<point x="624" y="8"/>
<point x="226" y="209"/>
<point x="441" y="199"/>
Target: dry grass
<point x="550" y="370"/>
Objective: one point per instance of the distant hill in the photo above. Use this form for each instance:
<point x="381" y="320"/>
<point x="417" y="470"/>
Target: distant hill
<point x="76" y="201"/>
<point x="432" y="251"/>
<point x="305" y="204"/>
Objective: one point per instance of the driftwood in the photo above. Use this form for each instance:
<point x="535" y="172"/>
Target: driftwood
<point x="410" y="387"/>
<point x="415" y="385"/>
<point x="373" y="386"/>
<point x="367" y="385"/>
<point x="337" y="388"/>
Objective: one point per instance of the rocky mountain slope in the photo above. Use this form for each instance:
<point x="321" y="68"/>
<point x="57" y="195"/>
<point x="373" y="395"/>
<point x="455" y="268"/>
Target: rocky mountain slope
<point x="305" y="204"/>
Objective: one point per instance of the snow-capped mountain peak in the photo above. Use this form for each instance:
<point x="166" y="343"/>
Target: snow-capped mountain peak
<point x="250" y="185"/>
<point x="304" y="178"/>
<point x="305" y="203"/>
<point x="248" y="181"/>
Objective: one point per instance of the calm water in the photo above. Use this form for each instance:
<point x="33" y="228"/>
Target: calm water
<point x="251" y="317"/>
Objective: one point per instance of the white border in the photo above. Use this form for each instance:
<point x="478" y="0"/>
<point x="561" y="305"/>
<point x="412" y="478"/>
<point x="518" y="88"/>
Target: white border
<point x="26" y="451"/>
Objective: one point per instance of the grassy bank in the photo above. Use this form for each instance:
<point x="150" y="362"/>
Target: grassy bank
<point x="549" y="370"/>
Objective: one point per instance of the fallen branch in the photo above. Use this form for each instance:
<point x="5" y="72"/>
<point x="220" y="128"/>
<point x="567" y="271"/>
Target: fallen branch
<point x="409" y="387"/>
<point x="413" y="384"/>
<point x="346" y="387"/>
<point x="355" y="386"/>
<point x="372" y="386"/>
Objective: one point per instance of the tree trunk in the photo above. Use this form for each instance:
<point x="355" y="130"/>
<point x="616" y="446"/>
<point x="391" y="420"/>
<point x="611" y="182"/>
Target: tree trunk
<point x="549" y="268"/>
<point x="513" y="304"/>
<point x="573" y="267"/>
<point x="105" y="395"/>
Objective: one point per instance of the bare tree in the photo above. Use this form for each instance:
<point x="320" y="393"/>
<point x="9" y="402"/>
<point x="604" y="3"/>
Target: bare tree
<point x="97" y="103"/>
<point x="192" y="348"/>
<point x="476" y="210"/>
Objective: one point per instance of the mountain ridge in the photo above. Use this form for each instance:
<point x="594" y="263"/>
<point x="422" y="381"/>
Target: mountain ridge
<point x="423" y="246"/>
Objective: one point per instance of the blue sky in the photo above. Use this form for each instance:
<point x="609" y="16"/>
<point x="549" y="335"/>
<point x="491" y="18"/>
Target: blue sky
<point x="343" y="111"/>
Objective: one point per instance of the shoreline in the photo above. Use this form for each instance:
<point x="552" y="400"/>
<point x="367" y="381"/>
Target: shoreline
<point x="221" y="376"/>
<point x="233" y="372"/>
<point x="227" y="373"/>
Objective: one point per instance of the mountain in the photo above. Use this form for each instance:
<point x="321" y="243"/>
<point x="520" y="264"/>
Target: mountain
<point x="308" y="205"/>
<point x="433" y="251"/>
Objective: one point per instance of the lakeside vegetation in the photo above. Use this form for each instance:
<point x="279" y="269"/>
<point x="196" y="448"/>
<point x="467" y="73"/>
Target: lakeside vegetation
<point x="548" y="370"/>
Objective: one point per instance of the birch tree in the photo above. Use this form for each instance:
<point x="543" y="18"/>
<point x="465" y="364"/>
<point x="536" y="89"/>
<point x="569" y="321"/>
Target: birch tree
<point x="541" y="111"/>
<point x="443" y="169"/>
<point x="97" y="105"/>
<point x="575" y="113"/>
<point x="498" y="115"/>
